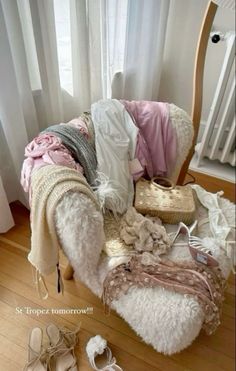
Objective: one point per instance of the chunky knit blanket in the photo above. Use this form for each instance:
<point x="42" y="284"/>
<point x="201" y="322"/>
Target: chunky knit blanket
<point x="49" y="185"/>
<point x="80" y="148"/>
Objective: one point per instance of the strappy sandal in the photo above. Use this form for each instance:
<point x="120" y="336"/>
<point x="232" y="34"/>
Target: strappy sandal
<point x="199" y="252"/>
<point x="36" y="352"/>
<point x="61" y="352"/>
<point x="98" y="346"/>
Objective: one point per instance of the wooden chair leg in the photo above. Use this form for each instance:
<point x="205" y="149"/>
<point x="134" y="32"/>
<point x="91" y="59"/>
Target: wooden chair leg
<point x="69" y="272"/>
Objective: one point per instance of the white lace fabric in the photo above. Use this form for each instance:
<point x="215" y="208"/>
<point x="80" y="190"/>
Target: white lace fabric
<point x="219" y="226"/>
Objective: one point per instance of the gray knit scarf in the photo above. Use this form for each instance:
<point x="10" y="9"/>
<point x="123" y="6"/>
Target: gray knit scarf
<point x="80" y="148"/>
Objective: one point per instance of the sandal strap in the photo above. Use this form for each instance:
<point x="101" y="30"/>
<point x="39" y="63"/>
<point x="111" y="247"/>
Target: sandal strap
<point x="112" y="366"/>
<point x="111" y="362"/>
<point x="60" y="352"/>
<point x="40" y="284"/>
<point x="38" y="357"/>
<point x="70" y="337"/>
<point x="66" y="344"/>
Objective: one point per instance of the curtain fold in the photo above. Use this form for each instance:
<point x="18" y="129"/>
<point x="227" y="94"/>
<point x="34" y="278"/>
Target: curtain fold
<point x="13" y="117"/>
<point x="18" y="55"/>
<point x="59" y="56"/>
<point x="87" y="53"/>
<point x="43" y="21"/>
<point x="144" y="44"/>
<point x="6" y="220"/>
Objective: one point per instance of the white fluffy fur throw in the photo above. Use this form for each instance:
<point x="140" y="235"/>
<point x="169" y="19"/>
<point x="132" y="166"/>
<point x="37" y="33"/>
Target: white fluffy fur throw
<point x="80" y="229"/>
<point x="167" y="320"/>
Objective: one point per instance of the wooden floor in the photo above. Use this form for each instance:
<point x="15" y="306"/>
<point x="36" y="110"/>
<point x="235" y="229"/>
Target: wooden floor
<point x="17" y="294"/>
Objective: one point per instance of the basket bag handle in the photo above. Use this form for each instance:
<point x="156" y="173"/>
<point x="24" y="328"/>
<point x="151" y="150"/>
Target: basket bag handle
<point x="170" y="184"/>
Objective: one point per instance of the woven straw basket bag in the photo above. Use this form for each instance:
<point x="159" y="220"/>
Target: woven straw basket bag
<point x="159" y="197"/>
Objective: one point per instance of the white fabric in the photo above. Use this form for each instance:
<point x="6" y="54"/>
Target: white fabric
<point x="83" y="228"/>
<point x="115" y="140"/>
<point x="183" y="126"/>
<point x="223" y="232"/>
<point x="219" y="226"/>
<point x="57" y="57"/>
<point x="6" y="220"/>
<point x="228" y="4"/>
<point x="16" y="117"/>
<point x="143" y="54"/>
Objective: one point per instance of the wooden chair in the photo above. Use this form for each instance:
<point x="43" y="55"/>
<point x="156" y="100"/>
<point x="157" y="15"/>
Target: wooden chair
<point x="198" y="81"/>
<point x="197" y="93"/>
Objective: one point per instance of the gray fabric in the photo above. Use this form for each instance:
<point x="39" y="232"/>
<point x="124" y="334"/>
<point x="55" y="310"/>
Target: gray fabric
<point x="82" y="151"/>
<point x="87" y="119"/>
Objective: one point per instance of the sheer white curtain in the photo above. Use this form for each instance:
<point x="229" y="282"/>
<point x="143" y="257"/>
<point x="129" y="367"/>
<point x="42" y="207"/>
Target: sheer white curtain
<point x="59" y="56"/>
<point x="143" y="51"/>
<point x="18" y="121"/>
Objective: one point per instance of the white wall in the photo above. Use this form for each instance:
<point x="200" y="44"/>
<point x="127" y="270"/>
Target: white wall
<point x="183" y="28"/>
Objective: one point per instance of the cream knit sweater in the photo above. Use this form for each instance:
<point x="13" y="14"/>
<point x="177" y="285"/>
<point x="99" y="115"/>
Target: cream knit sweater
<point x="49" y="184"/>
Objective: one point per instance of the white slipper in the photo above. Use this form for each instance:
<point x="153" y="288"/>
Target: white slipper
<point x="98" y="346"/>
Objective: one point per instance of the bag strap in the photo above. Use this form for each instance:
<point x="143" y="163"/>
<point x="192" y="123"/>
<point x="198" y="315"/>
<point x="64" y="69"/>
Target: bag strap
<point x="168" y="181"/>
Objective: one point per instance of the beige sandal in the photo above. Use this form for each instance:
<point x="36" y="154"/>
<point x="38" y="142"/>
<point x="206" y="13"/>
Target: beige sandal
<point x="36" y="353"/>
<point x="61" y="356"/>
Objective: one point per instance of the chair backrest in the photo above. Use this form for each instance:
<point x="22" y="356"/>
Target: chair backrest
<point x="198" y="79"/>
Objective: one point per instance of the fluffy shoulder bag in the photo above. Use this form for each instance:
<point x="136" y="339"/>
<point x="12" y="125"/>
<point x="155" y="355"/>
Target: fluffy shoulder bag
<point x="160" y="197"/>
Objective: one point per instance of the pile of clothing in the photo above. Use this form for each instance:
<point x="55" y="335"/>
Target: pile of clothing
<point x="80" y="177"/>
<point x="99" y="155"/>
<point x="114" y="144"/>
<point x="67" y="145"/>
<point x="59" y="160"/>
<point x="142" y="245"/>
<point x="132" y="139"/>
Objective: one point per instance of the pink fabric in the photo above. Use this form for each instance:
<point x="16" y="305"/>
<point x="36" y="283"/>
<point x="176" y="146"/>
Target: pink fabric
<point x="143" y="154"/>
<point x="61" y="157"/>
<point x="43" y="150"/>
<point x="157" y="142"/>
<point x="42" y="143"/>
<point x="26" y="171"/>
